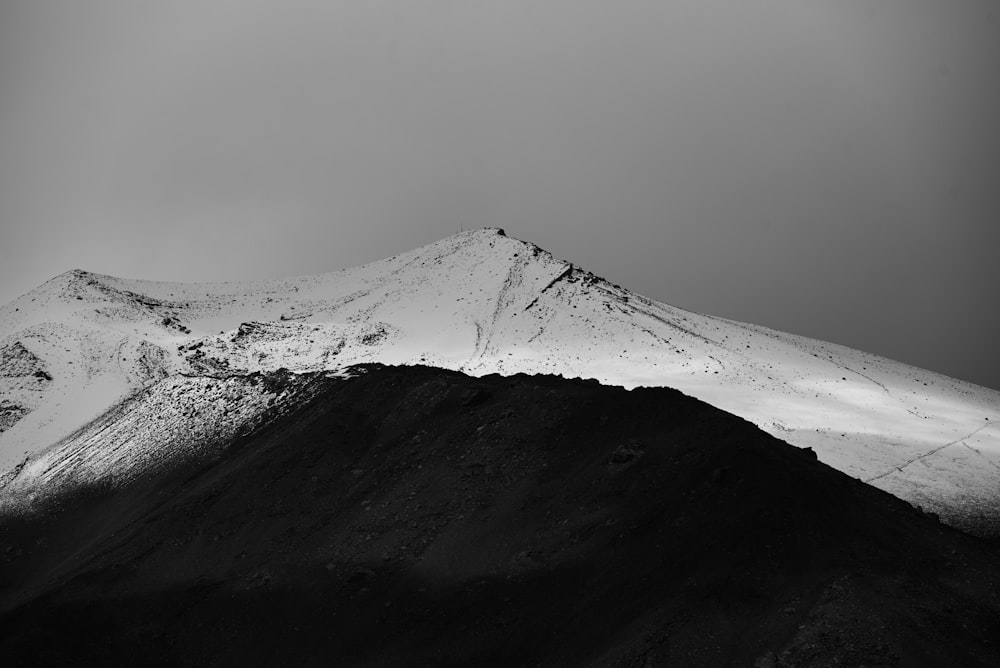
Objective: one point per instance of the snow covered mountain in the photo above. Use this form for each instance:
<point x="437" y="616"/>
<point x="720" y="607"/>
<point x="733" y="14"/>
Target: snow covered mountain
<point x="103" y="378"/>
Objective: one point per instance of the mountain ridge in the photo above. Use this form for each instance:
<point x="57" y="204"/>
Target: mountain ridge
<point x="483" y="302"/>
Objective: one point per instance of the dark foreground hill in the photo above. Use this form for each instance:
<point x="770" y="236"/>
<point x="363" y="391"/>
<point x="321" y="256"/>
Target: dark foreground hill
<point x="414" y="516"/>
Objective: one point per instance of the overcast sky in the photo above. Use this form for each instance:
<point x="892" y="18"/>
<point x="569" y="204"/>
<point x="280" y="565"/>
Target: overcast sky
<point x="825" y="167"/>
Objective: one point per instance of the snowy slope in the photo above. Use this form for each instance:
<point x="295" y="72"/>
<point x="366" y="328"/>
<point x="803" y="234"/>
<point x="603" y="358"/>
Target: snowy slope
<point x="482" y="302"/>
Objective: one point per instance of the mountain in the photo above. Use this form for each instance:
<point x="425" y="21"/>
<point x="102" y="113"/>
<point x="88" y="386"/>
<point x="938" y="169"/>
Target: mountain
<point x="416" y="516"/>
<point x="104" y="379"/>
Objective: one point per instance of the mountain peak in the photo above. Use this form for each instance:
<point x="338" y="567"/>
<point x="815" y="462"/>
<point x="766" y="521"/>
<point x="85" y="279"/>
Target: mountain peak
<point x="483" y="231"/>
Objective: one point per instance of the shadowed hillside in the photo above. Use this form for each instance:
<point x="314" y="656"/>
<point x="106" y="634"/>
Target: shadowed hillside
<point x="417" y="516"/>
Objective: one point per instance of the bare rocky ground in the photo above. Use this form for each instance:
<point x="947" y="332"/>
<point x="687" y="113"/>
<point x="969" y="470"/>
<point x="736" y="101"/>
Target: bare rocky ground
<point x="416" y="516"/>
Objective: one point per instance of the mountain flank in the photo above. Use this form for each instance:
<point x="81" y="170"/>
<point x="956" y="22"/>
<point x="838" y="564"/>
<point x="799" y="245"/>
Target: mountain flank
<point x="420" y="516"/>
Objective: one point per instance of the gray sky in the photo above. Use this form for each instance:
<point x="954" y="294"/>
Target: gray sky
<point x="825" y="167"/>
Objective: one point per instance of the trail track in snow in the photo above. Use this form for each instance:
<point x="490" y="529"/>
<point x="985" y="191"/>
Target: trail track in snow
<point x="932" y="452"/>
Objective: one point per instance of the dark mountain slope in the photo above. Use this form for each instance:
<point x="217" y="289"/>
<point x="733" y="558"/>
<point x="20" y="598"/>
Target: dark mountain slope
<point x="415" y="516"/>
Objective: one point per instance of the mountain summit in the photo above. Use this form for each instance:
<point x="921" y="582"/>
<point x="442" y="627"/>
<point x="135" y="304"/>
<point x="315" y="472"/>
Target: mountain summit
<point x="103" y="377"/>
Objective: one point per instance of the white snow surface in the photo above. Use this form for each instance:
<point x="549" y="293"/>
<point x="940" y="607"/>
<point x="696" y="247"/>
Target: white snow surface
<point x="479" y="302"/>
